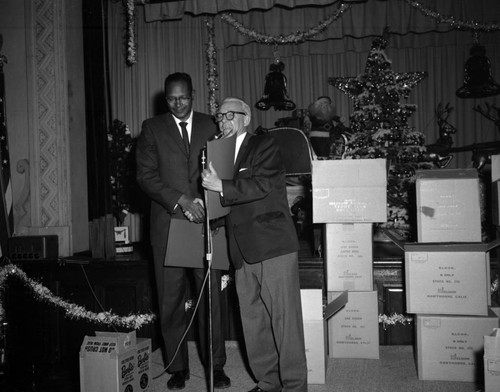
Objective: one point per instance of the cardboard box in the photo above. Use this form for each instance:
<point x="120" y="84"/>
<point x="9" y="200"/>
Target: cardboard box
<point x="143" y="365"/>
<point x="351" y="190"/>
<point x="314" y="337"/>
<point x="315" y="331"/>
<point x="447" y="278"/>
<point x="312" y="304"/>
<point x="450" y="348"/>
<point x="353" y="331"/>
<point x="495" y="189"/>
<point x="349" y="256"/>
<point x="448" y="206"/>
<point x="108" y="362"/>
<point x="491" y="361"/>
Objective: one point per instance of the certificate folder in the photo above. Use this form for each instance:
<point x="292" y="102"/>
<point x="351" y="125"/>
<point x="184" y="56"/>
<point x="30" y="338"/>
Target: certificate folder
<point x="221" y="153"/>
<point x="186" y="246"/>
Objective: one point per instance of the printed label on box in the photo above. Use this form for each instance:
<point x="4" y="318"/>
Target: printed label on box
<point x="448" y="347"/>
<point x="143" y="367"/>
<point x="346" y="191"/>
<point x="447" y="282"/>
<point x="353" y="331"/>
<point x="349" y="256"/>
<point x="448" y="208"/>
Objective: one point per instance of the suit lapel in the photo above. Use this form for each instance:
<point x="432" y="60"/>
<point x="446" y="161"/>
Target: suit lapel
<point x="195" y="136"/>
<point x="241" y="153"/>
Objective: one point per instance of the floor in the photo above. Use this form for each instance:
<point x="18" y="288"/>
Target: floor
<point x="395" y="371"/>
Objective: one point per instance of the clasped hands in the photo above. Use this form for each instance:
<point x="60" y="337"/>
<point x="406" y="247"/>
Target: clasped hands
<point x="194" y="209"/>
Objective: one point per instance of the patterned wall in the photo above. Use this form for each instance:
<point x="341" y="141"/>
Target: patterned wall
<point x="49" y="159"/>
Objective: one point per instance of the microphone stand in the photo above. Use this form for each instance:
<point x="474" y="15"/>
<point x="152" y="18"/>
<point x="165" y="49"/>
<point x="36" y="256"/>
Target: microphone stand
<point x="209" y="252"/>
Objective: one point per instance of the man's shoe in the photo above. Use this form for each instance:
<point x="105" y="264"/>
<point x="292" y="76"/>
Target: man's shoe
<point x="178" y="380"/>
<point x="257" y="389"/>
<point x="221" y="381"/>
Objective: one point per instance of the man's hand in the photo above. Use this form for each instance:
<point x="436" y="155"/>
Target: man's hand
<point x="211" y="180"/>
<point x="193" y="209"/>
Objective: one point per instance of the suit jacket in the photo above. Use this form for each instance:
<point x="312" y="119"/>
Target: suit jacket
<point x="259" y="224"/>
<point x="165" y="171"/>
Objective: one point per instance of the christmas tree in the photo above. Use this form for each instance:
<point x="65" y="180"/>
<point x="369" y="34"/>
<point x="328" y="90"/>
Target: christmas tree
<point x="379" y="129"/>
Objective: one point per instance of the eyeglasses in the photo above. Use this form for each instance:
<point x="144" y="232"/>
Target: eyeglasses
<point x="229" y="115"/>
<point x="183" y="100"/>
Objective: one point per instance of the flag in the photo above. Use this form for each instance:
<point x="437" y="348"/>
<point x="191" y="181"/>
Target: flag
<point x="6" y="217"/>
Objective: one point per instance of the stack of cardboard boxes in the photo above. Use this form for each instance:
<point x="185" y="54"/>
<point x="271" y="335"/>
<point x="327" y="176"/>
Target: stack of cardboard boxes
<point x="491" y="359"/>
<point x="348" y="197"/>
<point x="447" y="277"/>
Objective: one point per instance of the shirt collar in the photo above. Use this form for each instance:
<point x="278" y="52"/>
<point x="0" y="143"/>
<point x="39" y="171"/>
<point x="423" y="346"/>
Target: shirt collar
<point x="188" y="121"/>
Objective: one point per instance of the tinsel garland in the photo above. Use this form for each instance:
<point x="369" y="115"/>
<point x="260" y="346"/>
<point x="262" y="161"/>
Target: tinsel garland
<point x="131" y="39"/>
<point x="393" y="319"/>
<point x="42" y="293"/>
<point x="457" y="24"/>
<point x="211" y="53"/>
<point x="292" y="38"/>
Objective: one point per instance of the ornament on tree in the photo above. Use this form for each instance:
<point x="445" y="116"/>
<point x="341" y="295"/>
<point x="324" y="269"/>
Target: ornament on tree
<point x="275" y="94"/>
<point x="379" y="129"/>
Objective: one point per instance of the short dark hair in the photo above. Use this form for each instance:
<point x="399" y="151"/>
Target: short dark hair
<point x="179" y="77"/>
<point x="325" y="97"/>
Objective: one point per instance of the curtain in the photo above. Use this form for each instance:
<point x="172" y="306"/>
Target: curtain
<point x="416" y="42"/>
<point x="101" y="234"/>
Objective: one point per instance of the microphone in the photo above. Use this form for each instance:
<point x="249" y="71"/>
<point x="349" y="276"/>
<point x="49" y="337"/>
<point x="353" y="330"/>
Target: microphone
<point x="204" y="158"/>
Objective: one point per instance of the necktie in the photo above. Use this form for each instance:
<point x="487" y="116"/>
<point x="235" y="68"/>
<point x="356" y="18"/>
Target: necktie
<point x="185" y="136"/>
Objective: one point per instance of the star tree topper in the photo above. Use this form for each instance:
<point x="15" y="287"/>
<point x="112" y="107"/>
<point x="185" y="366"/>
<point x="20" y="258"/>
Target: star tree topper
<point x="378" y="68"/>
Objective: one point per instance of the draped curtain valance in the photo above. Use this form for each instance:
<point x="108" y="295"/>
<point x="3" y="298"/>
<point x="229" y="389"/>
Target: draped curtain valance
<point x="176" y="9"/>
<point x="417" y="42"/>
<point x="361" y="20"/>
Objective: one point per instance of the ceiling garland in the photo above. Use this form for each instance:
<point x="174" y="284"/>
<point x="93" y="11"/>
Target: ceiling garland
<point x="457" y="24"/>
<point x="292" y="38"/>
<point x="302" y="36"/>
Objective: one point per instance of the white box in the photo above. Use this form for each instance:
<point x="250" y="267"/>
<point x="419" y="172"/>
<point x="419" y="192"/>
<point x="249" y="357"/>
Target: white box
<point x="492" y="361"/>
<point x="143" y="365"/>
<point x="447" y="278"/>
<point x="349" y="256"/>
<point x="108" y="362"/>
<point x="312" y="304"/>
<point x="448" y="206"/>
<point x="450" y="348"/>
<point x="351" y="190"/>
<point x="315" y="331"/>
<point x="314" y="337"/>
<point x="353" y="331"/>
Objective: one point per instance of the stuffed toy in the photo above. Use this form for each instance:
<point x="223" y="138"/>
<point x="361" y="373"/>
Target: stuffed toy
<point x="324" y="128"/>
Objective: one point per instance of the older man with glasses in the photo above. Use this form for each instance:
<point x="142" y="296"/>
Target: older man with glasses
<point x="263" y="246"/>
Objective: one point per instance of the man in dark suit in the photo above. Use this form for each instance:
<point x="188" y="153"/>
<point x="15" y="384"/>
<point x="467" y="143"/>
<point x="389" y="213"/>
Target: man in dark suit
<point x="169" y="172"/>
<point x="263" y="245"/>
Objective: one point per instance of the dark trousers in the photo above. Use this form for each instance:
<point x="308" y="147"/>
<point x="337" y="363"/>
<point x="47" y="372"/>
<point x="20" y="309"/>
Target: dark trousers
<point x="171" y="283"/>
<point x="271" y="315"/>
